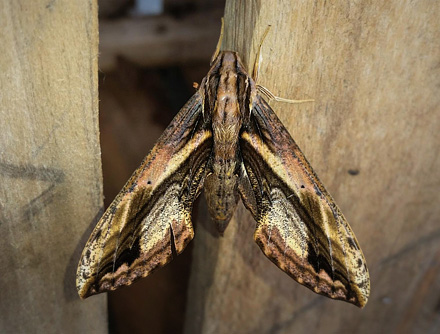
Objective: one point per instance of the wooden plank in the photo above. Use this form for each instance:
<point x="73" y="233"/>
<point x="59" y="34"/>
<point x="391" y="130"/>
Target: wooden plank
<point x="373" y="137"/>
<point x="50" y="169"/>
<point x="158" y="41"/>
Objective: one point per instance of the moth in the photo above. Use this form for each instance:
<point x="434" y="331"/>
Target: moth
<point x="228" y="140"/>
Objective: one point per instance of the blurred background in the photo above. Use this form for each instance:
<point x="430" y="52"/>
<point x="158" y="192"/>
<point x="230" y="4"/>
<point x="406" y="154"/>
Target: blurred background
<point x="151" y="53"/>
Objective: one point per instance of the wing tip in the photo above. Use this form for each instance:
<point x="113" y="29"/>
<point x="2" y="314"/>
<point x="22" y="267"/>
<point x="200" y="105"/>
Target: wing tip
<point x="320" y="283"/>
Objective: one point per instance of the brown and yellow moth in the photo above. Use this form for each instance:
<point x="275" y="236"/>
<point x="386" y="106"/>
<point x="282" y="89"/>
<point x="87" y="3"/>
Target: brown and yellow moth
<point x="228" y="140"/>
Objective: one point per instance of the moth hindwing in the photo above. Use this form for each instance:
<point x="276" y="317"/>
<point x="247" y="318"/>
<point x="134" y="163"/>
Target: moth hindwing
<point x="227" y="139"/>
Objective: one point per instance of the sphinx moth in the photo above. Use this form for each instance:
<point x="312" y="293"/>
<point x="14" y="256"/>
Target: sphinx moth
<point x="228" y="140"/>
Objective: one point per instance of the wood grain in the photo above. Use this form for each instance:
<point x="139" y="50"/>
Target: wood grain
<point x="372" y="136"/>
<point x="50" y="169"/>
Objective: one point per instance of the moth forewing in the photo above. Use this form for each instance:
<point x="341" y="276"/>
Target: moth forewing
<point x="152" y="213"/>
<point x="299" y="226"/>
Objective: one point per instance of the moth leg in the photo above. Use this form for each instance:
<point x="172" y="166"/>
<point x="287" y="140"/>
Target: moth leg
<point x="270" y="96"/>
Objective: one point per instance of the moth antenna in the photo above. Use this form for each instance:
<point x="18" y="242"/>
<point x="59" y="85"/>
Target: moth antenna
<point x="270" y="96"/>
<point x="263" y="90"/>
<point x="258" y="57"/>
<point x="219" y="43"/>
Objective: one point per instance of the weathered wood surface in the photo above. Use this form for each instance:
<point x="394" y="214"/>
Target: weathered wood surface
<point x="50" y="167"/>
<point x="373" y="137"/>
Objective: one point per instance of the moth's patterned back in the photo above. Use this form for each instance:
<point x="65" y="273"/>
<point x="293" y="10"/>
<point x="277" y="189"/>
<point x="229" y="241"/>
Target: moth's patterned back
<point x="228" y="139"/>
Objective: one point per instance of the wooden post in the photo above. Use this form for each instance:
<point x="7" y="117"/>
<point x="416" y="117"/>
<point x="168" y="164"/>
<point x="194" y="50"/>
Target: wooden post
<point x="372" y="136"/>
<point x="50" y="167"/>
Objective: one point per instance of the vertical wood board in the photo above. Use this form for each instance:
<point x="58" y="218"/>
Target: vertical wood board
<point x="372" y="135"/>
<point x="50" y="169"/>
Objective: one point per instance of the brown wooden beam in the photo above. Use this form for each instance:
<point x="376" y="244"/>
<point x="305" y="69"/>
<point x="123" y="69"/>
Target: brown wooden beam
<point x="50" y="164"/>
<point x="372" y="136"/>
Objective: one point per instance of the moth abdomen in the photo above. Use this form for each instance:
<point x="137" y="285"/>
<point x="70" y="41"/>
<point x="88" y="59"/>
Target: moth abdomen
<point x="221" y="191"/>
